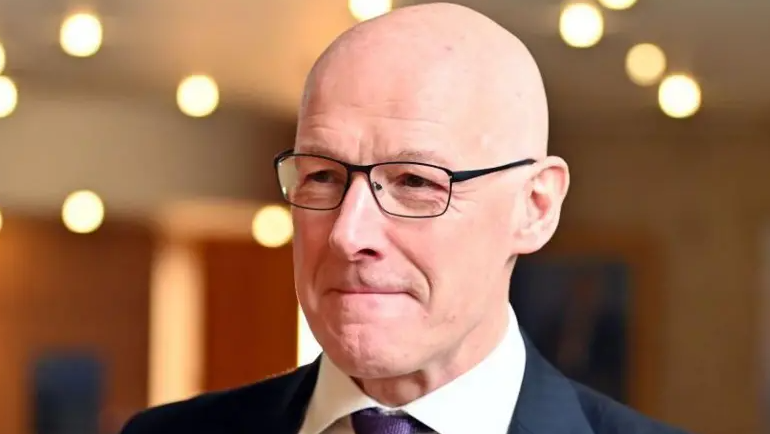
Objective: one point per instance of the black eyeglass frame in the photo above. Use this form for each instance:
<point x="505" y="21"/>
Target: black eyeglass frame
<point x="454" y="177"/>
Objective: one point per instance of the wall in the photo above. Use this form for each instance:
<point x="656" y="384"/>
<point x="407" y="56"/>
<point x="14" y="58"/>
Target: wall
<point x="250" y="310"/>
<point x="135" y="151"/>
<point x="144" y="158"/>
<point x="765" y="326"/>
<point x="223" y="308"/>
<point x="699" y="188"/>
<point x="64" y="291"/>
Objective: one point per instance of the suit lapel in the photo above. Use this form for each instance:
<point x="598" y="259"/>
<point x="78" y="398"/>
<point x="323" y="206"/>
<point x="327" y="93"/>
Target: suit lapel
<point x="294" y="404"/>
<point x="283" y="411"/>
<point x="547" y="403"/>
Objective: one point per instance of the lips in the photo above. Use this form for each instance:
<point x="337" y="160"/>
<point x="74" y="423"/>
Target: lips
<point x="363" y="290"/>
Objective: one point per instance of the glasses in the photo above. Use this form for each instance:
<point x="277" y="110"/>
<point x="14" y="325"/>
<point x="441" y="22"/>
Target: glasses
<point x="402" y="189"/>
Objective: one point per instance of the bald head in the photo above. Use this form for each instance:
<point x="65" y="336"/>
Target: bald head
<point x="440" y="62"/>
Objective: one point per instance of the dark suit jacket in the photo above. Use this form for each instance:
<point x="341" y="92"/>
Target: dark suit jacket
<point x="548" y="403"/>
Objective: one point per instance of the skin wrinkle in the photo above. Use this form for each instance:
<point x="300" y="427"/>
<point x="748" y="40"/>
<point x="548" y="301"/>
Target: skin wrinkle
<point x="410" y="82"/>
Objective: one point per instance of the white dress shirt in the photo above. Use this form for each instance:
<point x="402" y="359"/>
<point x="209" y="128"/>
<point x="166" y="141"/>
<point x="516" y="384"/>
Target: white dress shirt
<point x="479" y="401"/>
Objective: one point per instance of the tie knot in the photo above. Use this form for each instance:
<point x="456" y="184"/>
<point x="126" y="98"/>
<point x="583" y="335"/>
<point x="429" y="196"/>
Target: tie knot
<point x="376" y="421"/>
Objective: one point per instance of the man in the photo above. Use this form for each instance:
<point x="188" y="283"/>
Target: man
<point x="418" y="176"/>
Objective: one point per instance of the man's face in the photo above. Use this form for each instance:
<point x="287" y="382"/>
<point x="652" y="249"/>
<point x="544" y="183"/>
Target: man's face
<point x="387" y="295"/>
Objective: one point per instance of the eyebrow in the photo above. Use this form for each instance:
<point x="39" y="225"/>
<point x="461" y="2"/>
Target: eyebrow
<point x="317" y="149"/>
<point x="421" y="156"/>
<point x="311" y="148"/>
<point x="406" y="155"/>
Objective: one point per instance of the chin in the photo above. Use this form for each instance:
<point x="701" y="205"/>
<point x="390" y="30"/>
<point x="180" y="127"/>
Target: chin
<point x="367" y="354"/>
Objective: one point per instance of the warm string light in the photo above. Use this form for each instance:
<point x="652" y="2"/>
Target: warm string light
<point x="83" y="212"/>
<point x="581" y="25"/>
<point x="679" y="96"/>
<point x="617" y="5"/>
<point x="81" y="34"/>
<point x="272" y="226"/>
<point x="363" y="10"/>
<point x="645" y="64"/>
<point x="197" y="96"/>
<point x="9" y="96"/>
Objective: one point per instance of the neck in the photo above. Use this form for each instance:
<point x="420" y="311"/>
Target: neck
<point x="478" y="343"/>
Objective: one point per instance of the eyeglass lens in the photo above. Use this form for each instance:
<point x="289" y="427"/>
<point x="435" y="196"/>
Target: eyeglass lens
<point x="406" y="189"/>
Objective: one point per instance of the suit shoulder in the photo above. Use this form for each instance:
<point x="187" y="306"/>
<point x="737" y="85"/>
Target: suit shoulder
<point x="608" y="416"/>
<point x="210" y="412"/>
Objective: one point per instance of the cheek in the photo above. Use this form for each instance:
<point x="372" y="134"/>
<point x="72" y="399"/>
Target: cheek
<point x="442" y="254"/>
<point x="453" y="256"/>
<point x="310" y="246"/>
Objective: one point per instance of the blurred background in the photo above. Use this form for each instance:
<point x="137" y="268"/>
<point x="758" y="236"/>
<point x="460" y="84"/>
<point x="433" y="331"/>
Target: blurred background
<point x="145" y="255"/>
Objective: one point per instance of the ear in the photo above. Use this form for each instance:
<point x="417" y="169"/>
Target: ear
<point x="542" y="208"/>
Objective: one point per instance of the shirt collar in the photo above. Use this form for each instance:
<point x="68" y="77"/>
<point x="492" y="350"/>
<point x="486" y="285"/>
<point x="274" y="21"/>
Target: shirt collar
<point x="480" y="400"/>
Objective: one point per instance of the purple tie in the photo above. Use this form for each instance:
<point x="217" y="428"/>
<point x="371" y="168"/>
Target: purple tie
<point x="374" y="421"/>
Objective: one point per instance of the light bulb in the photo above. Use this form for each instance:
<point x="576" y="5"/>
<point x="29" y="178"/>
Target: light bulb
<point x="581" y="25"/>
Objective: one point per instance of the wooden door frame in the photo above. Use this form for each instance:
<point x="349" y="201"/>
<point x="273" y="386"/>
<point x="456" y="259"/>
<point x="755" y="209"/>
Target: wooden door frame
<point x="642" y="253"/>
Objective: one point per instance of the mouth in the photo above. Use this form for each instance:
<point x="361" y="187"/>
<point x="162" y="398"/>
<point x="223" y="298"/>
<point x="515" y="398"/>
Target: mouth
<point x="369" y="291"/>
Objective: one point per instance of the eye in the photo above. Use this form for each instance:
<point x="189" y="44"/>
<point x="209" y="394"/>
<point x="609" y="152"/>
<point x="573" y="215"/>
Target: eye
<point x="322" y="176"/>
<point x="415" y="181"/>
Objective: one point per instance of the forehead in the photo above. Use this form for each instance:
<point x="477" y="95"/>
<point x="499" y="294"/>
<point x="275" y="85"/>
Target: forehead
<point x="369" y="109"/>
<point x="360" y="137"/>
<point x="364" y="139"/>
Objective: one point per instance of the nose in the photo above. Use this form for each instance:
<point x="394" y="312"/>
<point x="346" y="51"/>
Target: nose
<point x="357" y="233"/>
